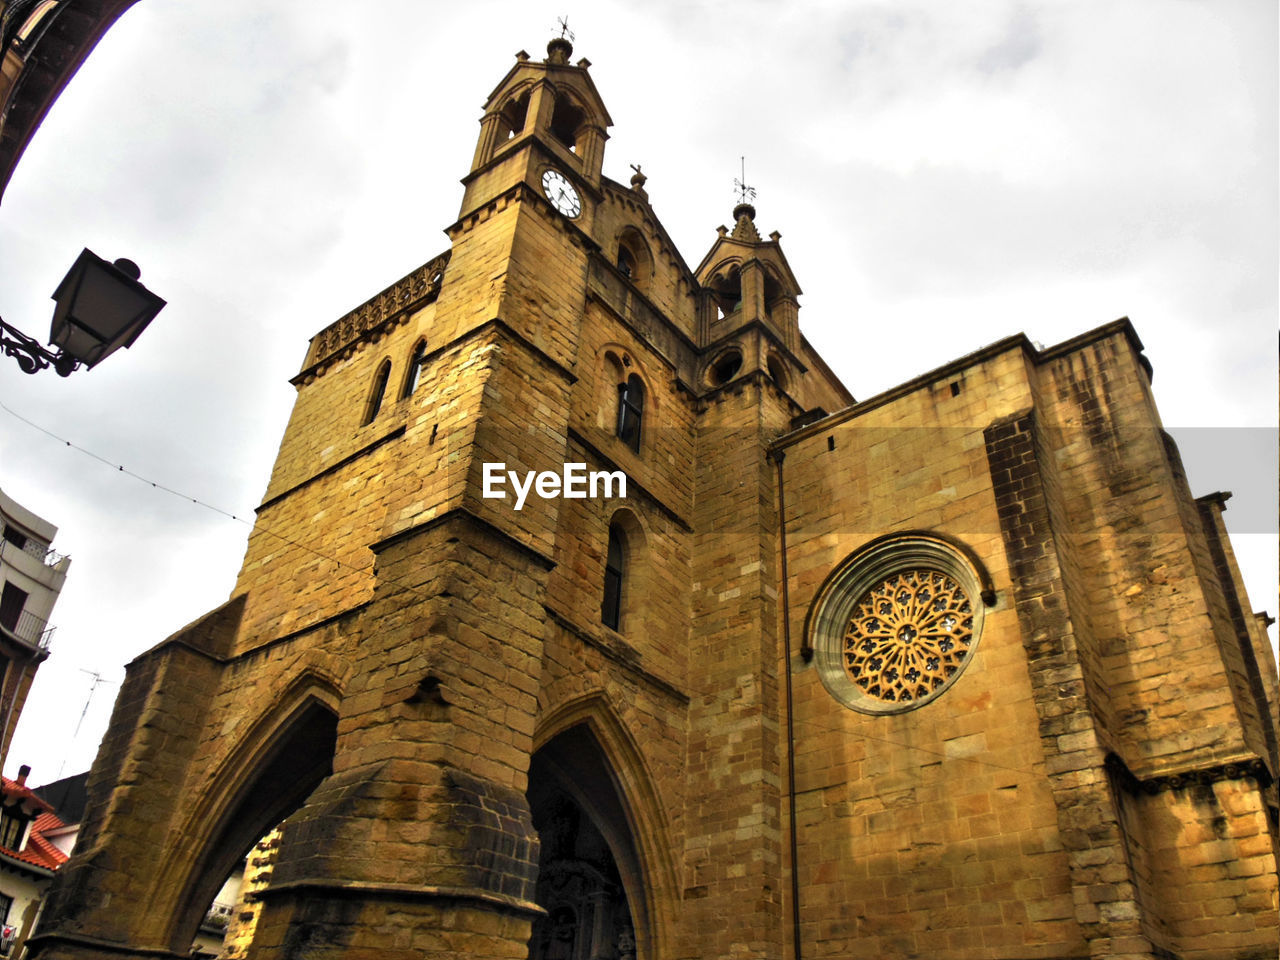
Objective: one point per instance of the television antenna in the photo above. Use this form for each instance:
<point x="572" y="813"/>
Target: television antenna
<point x="98" y="680"/>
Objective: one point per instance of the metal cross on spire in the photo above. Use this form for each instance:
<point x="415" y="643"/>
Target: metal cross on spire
<point x="745" y="194"/>
<point x="565" y="32"/>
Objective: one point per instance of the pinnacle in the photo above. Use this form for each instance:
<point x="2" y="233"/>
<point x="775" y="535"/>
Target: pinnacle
<point x="745" y="228"/>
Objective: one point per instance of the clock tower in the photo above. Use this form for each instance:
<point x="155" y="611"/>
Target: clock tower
<point x="544" y="123"/>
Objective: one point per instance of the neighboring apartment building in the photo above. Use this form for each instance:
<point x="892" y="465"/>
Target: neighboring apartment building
<point x="962" y="671"/>
<point x="42" y="44"/>
<point x="31" y="577"/>
<point x="34" y="843"/>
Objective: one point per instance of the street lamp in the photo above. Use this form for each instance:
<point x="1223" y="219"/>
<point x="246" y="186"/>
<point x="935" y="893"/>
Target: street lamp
<point x="101" y="307"/>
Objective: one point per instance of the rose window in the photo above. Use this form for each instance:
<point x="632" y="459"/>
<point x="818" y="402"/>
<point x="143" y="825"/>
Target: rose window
<point x="908" y="636"/>
<point x="897" y="622"/>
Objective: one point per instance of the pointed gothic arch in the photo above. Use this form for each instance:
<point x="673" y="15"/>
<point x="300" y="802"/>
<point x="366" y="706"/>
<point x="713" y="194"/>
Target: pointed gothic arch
<point x="413" y="372"/>
<point x="513" y="114"/>
<point x="621" y="377"/>
<point x="634" y="258"/>
<point x="774" y="288"/>
<point x="287" y="751"/>
<point x="584" y="750"/>
<point x="377" y="391"/>
<point x="725" y="286"/>
<point x="568" y="119"/>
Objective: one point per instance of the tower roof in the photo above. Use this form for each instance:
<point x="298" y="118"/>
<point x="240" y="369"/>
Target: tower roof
<point x="744" y="243"/>
<point x="557" y="70"/>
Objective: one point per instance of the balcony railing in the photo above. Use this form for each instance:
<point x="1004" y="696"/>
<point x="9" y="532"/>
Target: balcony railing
<point x="31" y="630"/>
<point x="41" y="551"/>
<point x="46" y="555"/>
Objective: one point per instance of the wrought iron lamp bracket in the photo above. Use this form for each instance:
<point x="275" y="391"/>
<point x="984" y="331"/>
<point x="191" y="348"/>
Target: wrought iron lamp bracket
<point x="31" y="355"/>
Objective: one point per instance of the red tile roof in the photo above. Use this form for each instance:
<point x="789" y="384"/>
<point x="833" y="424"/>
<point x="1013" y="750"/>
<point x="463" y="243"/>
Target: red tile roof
<point x="13" y="790"/>
<point x="39" y="850"/>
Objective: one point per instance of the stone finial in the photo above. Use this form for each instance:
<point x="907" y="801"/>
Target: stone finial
<point x="745" y="228"/>
<point x="638" y="180"/>
<point x="559" y="50"/>
<point x="522" y="55"/>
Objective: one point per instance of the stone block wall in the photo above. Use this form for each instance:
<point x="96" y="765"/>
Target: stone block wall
<point x="1002" y="817"/>
<point x="932" y="832"/>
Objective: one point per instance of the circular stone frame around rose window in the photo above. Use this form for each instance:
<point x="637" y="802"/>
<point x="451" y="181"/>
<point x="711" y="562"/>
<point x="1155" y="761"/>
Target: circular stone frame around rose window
<point x="896" y="624"/>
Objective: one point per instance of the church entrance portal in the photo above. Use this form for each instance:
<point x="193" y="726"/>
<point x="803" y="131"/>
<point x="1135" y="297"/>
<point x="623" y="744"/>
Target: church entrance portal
<point x="588" y="873"/>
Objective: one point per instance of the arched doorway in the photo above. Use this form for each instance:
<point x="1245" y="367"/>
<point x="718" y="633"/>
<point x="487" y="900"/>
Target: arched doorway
<point x="589" y="879"/>
<point x="286" y="769"/>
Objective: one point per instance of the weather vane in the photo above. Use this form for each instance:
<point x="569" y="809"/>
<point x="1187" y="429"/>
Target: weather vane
<point x="745" y="194"/>
<point x="565" y="32"/>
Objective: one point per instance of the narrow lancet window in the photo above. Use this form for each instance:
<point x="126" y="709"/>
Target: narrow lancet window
<point x="376" y="394"/>
<point x="414" y="373"/>
<point x="630" y="411"/>
<point x="614" y="571"/>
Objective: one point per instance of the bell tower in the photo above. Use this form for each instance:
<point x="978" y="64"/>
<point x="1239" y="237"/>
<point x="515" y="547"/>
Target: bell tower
<point x="382" y="679"/>
<point x="753" y="314"/>
<point x="545" y="126"/>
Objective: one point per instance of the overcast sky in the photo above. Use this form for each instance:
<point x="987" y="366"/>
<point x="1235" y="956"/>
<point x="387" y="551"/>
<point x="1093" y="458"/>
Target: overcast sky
<point x="943" y="175"/>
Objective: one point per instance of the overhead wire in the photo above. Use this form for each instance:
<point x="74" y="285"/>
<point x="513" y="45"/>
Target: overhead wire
<point x="406" y="587"/>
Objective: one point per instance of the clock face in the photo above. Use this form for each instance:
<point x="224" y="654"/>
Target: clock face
<point x="561" y="193"/>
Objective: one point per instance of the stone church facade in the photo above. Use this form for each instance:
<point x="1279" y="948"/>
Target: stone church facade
<point x="960" y="671"/>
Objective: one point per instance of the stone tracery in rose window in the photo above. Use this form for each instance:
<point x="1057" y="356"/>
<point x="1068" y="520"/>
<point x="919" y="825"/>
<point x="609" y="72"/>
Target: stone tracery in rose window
<point x="908" y="636"/>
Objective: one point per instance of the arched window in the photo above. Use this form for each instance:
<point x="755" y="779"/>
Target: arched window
<point x="376" y="394"/>
<point x="512" y="117"/>
<point x="635" y="262"/>
<point x="630" y="411"/>
<point x="566" y="121"/>
<point x="614" y="572"/>
<point x="726" y="291"/>
<point x="414" y="373"/>
<point x="777" y="371"/>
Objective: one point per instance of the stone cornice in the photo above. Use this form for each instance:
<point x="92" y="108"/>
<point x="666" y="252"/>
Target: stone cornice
<point x="465" y="515"/>
<point x="1245" y="767"/>
<point x="576" y="436"/>
<point x="1020" y="341"/>
<point x="395" y="434"/>
<point x="615" y="649"/>
<point x="401" y="891"/>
